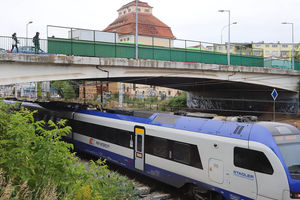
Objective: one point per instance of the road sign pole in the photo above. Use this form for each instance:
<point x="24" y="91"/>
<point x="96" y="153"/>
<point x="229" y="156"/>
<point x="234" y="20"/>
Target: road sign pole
<point x="274" y="111"/>
<point x="274" y="94"/>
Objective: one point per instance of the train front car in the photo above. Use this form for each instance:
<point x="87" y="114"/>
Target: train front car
<point x="280" y="176"/>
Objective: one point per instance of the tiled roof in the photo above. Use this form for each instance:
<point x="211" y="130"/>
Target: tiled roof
<point x="149" y="25"/>
<point x="133" y="3"/>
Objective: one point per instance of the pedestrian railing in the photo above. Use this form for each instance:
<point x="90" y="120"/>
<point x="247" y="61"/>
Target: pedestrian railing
<point x="6" y="43"/>
<point x="83" y="42"/>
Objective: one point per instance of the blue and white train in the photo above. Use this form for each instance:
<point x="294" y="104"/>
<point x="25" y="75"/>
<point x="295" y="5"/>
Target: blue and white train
<point x="215" y="159"/>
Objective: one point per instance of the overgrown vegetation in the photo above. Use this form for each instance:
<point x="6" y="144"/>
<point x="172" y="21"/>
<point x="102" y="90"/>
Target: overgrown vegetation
<point x="65" y="89"/>
<point x="36" y="164"/>
<point x="175" y="102"/>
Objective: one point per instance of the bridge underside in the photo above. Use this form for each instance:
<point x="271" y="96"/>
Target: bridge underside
<point x="220" y="96"/>
<point x="206" y="84"/>
<point x="197" y="84"/>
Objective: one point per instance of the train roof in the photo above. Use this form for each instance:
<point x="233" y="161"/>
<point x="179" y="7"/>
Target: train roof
<point x="280" y="129"/>
<point x="260" y="131"/>
<point x="214" y="127"/>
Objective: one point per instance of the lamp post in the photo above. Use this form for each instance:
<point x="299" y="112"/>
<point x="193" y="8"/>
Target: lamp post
<point x="30" y="22"/>
<point x="293" y="45"/>
<point x="228" y="46"/>
<point x="136" y="30"/>
<point x="223" y="30"/>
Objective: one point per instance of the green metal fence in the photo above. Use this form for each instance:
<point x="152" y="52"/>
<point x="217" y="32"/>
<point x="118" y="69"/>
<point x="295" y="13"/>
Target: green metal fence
<point x="297" y="65"/>
<point x="123" y="50"/>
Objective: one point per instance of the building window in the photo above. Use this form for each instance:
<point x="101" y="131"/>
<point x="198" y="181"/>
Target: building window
<point x="220" y="48"/>
<point x="274" y="53"/>
<point x="124" y="12"/>
<point x="169" y="92"/>
<point x="285" y="45"/>
<point x="129" y="10"/>
<point x="120" y="13"/>
<point x="139" y="9"/>
<point x="274" y="45"/>
<point x="267" y="52"/>
<point x="256" y="53"/>
<point x="267" y="45"/>
<point x="283" y="53"/>
<point x="146" y="10"/>
<point x="257" y="45"/>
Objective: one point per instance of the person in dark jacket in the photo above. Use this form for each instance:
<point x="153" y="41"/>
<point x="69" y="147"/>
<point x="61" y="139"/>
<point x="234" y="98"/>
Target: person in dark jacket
<point x="36" y="42"/>
<point x="14" y="42"/>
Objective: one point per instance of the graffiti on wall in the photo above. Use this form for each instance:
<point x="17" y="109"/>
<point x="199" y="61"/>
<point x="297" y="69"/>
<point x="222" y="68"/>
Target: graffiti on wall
<point x="290" y="106"/>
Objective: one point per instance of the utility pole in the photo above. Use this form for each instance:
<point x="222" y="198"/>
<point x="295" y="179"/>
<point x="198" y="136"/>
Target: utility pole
<point x="136" y="30"/>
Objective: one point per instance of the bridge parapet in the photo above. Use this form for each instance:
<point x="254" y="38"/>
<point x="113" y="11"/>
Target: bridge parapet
<point x="18" y="68"/>
<point x="133" y="63"/>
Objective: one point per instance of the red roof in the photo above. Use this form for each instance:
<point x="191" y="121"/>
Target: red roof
<point x="148" y="25"/>
<point x="133" y="3"/>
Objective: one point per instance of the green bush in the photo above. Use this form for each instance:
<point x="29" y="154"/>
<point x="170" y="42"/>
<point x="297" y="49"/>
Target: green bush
<point x="175" y="102"/>
<point x="65" y="89"/>
<point x="32" y="152"/>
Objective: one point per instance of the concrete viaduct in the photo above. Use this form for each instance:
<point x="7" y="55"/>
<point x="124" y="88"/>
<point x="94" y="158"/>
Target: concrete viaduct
<point x="199" y="79"/>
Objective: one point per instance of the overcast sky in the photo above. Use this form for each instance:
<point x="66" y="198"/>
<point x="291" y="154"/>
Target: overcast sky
<point x="258" y="20"/>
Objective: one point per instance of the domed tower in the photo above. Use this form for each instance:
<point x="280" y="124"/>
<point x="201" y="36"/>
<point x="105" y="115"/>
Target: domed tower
<point x="151" y="30"/>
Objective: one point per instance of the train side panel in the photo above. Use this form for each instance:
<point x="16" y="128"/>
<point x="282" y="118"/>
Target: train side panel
<point x="216" y="172"/>
<point x="216" y="153"/>
<point x="270" y="185"/>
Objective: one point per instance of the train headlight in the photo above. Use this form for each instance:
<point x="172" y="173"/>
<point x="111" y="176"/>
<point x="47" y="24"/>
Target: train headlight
<point x="295" y="195"/>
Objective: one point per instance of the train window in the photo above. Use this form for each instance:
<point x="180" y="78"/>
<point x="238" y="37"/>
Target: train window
<point x="181" y="153"/>
<point x="252" y="160"/>
<point x="172" y="150"/>
<point x="108" y="134"/>
<point x="187" y="154"/>
<point x="124" y="138"/>
<point x="195" y="157"/>
<point x="160" y="147"/>
<point x="139" y="143"/>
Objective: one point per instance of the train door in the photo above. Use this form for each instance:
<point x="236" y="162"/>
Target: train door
<point x="139" y="153"/>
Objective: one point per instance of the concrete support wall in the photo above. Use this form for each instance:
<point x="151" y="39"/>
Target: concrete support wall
<point x="256" y="102"/>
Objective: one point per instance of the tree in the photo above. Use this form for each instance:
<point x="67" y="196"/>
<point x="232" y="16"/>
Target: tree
<point x="176" y="102"/>
<point x="33" y="154"/>
<point x="64" y="88"/>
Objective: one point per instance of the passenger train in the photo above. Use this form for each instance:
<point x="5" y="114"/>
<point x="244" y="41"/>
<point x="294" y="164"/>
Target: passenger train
<point x="215" y="159"/>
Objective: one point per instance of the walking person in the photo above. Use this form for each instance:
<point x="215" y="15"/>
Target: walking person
<point x="14" y="42"/>
<point x="36" y="42"/>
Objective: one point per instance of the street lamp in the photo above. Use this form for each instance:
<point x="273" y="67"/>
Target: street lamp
<point x="293" y="48"/>
<point x="223" y="30"/>
<point x="30" y="22"/>
<point x="136" y="30"/>
<point x="228" y="46"/>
